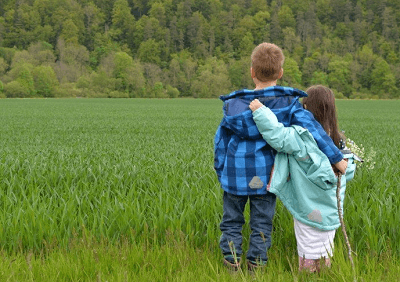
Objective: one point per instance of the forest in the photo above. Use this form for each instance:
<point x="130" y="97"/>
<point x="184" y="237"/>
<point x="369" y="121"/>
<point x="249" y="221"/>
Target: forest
<point x="195" y="48"/>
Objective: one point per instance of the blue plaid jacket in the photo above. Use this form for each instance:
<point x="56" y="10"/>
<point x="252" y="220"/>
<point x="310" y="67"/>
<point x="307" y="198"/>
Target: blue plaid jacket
<point x="242" y="158"/>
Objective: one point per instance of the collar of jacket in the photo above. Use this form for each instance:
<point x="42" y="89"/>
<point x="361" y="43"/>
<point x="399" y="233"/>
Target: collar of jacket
<point x="273" y="91"/>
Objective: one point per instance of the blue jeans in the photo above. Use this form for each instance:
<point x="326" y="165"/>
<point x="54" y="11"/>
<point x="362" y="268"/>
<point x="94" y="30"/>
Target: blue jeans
<point x="262" y="209"/>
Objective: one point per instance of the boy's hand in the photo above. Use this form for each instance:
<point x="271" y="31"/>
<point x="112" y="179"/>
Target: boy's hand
<point x="255" y="104"/>
<point x="341" y="166"/>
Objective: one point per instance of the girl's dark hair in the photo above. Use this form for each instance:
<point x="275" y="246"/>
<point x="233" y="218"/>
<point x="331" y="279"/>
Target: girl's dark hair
<point x="321" y="102"/>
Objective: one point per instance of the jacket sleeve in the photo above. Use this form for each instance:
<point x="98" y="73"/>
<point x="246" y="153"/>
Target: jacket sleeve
<point x="219" y="152"/>
<point x="306" y="119"/>
<point x="279" y="137"/>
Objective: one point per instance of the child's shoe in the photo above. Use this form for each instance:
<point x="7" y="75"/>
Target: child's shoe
<point x="232" y="263"/>
<point x="253" y="266"/>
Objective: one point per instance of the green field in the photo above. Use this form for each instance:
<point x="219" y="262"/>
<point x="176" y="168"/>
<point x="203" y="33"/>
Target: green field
<point x="124" y="189"/>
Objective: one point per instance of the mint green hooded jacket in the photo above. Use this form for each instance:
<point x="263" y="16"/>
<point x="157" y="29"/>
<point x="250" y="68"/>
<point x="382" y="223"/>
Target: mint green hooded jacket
<point x="302" y="177"/>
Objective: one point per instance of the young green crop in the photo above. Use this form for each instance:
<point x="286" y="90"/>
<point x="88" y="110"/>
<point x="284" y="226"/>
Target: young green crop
<point x="140" y="170"/>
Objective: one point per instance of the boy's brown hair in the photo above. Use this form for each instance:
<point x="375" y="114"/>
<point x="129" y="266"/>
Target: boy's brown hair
<point x="267" y="61"/>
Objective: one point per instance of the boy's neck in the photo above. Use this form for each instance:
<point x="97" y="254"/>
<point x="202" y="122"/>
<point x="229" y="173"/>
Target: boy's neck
<point x="262" y="85"/>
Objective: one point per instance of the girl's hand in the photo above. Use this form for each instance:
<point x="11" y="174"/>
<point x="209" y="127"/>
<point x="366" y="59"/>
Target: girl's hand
<point x="255" y="104"/>
<point x="341" y="166"/>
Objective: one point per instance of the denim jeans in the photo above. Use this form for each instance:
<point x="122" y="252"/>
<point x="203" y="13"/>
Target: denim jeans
<point x="262" y="209"/>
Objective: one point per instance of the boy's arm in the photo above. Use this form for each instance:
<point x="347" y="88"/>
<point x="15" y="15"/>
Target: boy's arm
<point x="305" y="119"/>
<point x="219" y="152"/>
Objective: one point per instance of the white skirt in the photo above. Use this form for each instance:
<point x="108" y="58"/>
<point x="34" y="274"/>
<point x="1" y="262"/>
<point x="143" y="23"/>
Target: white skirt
<point x="313" y="243"/>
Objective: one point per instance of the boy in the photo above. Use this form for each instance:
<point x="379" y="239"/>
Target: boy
<point x="243" y="160"/>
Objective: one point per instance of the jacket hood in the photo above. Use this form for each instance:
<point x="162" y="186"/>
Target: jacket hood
<point x="238" y="116"/>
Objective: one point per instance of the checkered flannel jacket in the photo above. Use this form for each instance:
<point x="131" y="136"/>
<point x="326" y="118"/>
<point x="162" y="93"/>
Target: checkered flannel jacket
<point x="242" y="158"/>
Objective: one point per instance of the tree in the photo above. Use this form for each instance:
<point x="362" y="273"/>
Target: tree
<point x="159" y="91"/>
<point x="342" y="30"/>
<point x="212" y="79"/>
<point x="222" y="24"/>
<point x="340" y="9"/>
<point x="140" y="6"/>
<point x="311" y="23"/>
<point x="2" y="29"/>
<point x="383" y="81"/>
<point x="100" y="83"/>
<point x="42" y="52"/>
<point x="55" y="14"/>
<point x="239" y="73"/>
<point x="291" y="73"/>
<point x="15" y="89"/>
<point x="286" y="17"/>
<point x="130" y="72"/>
<point x="339" y="76"/>
<point x="174" y="35"/>
<point x="69" y="32"/>
<point x="3" y="66"/>
<point x="261" y="31"/>
<point x="195" y="34"/>
<point x="366" y="59"/>
<point x="94" y="22"/>
<point x="360" y="32"/>
<point x="149" y="52"/>
<point x="323" y="10"/>
<point x="290" y="39"/>
<point x="1" y="90"/>
<point x="319" y="77"/>
<point x="22" y="57"/>
<point x="22" y="75"/>
<point x="20" y="23"/>
<point x="275" y="29"/>
<point x="45" y="81"/>
<point x="153" y="75"/>
<point x="184" y="71"/>
<point x="149" y="28"/>
<point x="390" y="29"/>
<point x="181" y="72"/>
<point x="7" y="54"/>
<point x="157" y="11"/>
<point x="175" y="72"/>
<point x="172" y="92"/>
<point x="72" y="63"/>
<point x="123" y="23"/>
<point x="258" y="6"/>
<point x="308" y="68"/>
<point x="246" y="46"/>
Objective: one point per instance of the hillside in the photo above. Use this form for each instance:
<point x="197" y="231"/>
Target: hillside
<point x="195" y="48"/>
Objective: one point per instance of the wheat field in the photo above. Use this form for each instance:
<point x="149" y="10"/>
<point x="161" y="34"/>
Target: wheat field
<point x="124" y="189"/>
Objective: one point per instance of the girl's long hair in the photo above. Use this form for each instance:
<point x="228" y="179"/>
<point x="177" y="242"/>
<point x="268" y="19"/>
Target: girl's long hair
<point x="321" y="102"/>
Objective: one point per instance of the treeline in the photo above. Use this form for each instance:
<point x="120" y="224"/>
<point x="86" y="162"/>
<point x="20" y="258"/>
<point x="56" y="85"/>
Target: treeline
<point x="198" y="48"/>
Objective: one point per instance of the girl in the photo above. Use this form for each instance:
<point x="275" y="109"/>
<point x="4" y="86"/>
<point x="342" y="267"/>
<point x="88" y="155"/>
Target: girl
<point x="304" y="179"/>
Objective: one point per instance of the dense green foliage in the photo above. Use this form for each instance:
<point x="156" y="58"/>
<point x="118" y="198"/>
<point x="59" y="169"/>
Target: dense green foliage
<point x="170" y="48"/>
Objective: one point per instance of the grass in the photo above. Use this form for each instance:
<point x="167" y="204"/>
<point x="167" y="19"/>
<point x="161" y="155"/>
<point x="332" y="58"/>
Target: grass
<point x="122" y="190"/>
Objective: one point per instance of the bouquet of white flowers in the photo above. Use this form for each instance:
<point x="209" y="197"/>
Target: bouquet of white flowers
<point x="367" y="160"/>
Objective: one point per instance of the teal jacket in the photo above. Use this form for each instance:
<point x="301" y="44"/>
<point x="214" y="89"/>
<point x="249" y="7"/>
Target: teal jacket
<point x="302" y="177"/>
